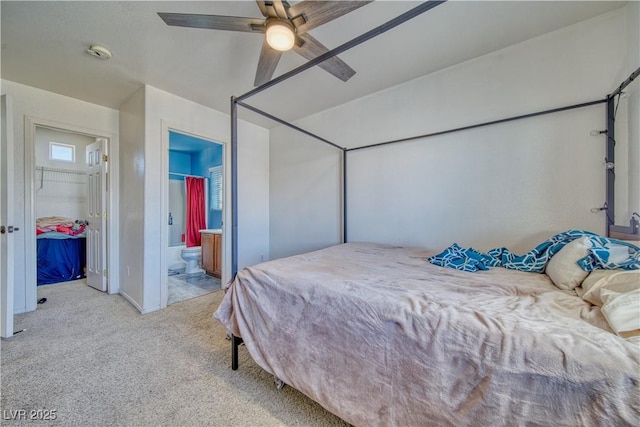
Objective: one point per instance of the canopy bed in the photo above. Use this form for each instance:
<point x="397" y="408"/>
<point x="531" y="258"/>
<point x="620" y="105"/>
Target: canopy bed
<point x="379" y="335"/>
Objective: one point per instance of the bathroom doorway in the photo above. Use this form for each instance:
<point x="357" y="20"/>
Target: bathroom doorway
<point x="195" y="211"/>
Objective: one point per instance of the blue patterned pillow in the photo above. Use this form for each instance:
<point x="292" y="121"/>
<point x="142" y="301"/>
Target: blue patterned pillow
<point x="463" y="259"/>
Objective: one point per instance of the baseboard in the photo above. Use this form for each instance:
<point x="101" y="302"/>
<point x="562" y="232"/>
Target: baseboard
<point x="132" y="301"/>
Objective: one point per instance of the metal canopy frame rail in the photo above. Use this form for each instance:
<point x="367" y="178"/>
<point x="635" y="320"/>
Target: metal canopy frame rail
<point x="610" y="100"/>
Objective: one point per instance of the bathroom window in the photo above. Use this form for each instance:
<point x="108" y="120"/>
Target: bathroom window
<point x="215" y="188"/>
<point x="64" y="152"/>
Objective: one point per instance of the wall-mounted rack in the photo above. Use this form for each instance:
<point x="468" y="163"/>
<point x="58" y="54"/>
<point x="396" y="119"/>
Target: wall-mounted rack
<point x="68" y="176"/>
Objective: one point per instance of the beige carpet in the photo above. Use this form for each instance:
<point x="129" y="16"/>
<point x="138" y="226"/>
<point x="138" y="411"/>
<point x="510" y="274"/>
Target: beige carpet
<point x="95" y="361"/>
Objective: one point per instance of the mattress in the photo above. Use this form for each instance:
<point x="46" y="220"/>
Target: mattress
<point x="379" y="336"/>
<point x="60" y="258"/>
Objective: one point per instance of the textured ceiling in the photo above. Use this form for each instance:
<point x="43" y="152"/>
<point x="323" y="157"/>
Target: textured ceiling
<point x="43" y="45"/>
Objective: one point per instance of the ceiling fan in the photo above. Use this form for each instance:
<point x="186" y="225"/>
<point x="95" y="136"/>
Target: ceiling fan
<point x="285" y="27"/>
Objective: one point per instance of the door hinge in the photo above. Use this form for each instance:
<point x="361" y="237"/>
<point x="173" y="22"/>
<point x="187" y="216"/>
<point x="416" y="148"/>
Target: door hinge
<point x="105" y="272"/>
<point x="105" y="158"/>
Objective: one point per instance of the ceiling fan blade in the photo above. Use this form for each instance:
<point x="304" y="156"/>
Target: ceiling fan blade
<point x="214" y="22"/>
<point x="263" y="7"/>
<point x="270" y="10"/>
<point x="267" y="64"/>
<point x="316" y="13"/>
<point x="280" y="10"/>
<point x="312" y="48"/>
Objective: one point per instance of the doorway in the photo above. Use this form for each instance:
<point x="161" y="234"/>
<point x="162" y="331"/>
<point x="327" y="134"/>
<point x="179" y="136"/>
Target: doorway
<point x="61" y="205"/>
<point x="56" y="182"/>
<point x="194" y="216"/>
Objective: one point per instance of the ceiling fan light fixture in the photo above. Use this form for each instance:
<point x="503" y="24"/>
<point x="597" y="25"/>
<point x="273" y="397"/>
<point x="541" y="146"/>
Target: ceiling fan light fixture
<point x="280" y="35"/>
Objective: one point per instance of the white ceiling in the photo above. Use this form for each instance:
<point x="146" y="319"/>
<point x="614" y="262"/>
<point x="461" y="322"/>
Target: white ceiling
<point x="43" y="45"/>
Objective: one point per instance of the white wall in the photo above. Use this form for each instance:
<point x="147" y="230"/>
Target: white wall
<point x="36" y="103"/>
<point x="143" y="122"/>
<point x="61" y="193"/>
<point x="306" y="181"/>
<point x="131" y="191"/>
<point x="253" y="194"/>
<point x="513" y="184"/>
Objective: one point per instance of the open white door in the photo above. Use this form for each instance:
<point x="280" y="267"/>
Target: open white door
<point x="6" y="219"/>
<point x="97" y="214"/>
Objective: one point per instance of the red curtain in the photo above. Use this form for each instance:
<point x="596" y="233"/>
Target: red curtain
<point x="195" y="210"/>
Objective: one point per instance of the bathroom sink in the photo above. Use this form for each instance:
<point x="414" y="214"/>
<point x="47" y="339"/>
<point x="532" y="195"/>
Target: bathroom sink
<point x="212" y="231"/>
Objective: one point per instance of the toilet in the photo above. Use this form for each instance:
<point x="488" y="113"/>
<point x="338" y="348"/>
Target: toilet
<point x="192" y="256"/>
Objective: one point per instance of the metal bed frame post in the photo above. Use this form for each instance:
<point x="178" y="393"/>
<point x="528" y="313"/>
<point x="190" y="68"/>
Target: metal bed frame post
<point x="234" y="187"/>
<point x="235" y="341"/>
<point x="344" y="195"/>
<point x="610" y="164"/>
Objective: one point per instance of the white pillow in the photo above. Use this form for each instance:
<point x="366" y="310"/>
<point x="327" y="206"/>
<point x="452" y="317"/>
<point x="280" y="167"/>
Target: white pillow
<point x="563" y="268"/>
<point x="618" y="253"/>
<point x="617" y="280"/>
<point x="622" y="311"/>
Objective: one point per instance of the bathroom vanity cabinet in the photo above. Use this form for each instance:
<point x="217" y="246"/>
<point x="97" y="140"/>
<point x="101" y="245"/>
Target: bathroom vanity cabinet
<point x="212" y="253"/>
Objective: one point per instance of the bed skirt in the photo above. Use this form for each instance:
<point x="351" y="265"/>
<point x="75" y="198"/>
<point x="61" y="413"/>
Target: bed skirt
<point x="61" y="260"/>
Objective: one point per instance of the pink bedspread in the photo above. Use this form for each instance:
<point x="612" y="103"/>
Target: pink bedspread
<point x="379" y="336"/>
<point x="60" y="224"/>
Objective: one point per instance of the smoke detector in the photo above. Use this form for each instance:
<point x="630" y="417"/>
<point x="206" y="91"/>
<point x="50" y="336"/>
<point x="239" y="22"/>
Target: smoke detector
<point x="99" y="52"/>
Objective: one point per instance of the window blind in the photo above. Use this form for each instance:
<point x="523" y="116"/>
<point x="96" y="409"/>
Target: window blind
<point x="215" y="188"/>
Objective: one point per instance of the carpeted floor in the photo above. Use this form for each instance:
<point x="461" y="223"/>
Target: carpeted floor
<point x="93" y="360"/>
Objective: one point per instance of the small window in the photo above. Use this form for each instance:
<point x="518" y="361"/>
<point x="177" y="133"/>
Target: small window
<point x="215" y="188"/>
<point x="64" y="152"/>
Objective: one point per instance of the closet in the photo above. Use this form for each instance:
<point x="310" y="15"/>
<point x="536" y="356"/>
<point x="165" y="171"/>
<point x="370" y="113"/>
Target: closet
<point x="60" y="184"/>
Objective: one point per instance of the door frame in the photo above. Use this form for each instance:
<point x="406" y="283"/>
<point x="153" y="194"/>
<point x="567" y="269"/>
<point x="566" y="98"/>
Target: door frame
<point x="226" y="204"/>
<point x="7" y="254"/>
<point x="30" y="125"/>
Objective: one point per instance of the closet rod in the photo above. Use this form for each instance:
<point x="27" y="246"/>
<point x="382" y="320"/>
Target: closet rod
<point x="55" y="171"/>
<point x="61" y="170"/>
